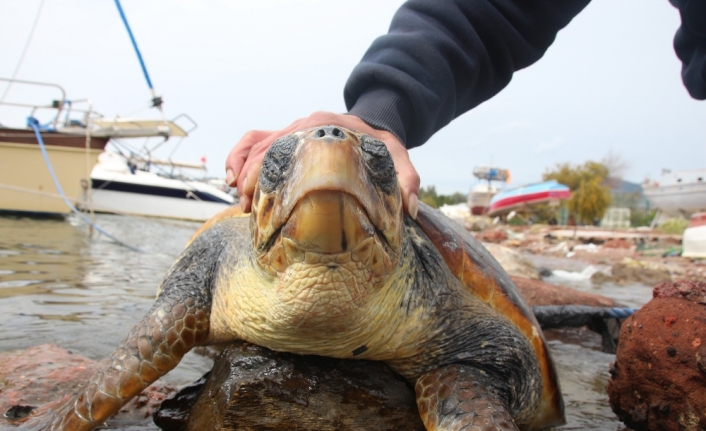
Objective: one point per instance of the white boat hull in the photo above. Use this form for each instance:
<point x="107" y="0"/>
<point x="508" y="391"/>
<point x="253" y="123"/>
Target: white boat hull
<point x="118" y="189"/>
<point x="694" y="242"/>
<point x="479" y="198"/>
<point x="679" y="194"/>
<point x="154" y="206"/>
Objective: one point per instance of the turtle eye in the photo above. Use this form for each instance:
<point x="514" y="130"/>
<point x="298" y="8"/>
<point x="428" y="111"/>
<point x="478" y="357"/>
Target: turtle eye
<point x="379" y="164"/>
<point x="276" y="162"/>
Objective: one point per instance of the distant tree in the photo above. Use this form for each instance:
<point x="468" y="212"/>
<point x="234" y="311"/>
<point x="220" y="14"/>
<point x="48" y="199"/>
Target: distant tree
<point x="590" y="200"/>
<point x="642" y="217"/>
<point x="429" y="196"/>
<point x="542" y="213"/>
<point x="453" y="199"/>
<point x="590" y="196"/>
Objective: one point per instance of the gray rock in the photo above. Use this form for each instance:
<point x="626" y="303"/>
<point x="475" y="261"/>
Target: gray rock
<point x="601" y="277"/>
<point x="512" y="261"/>
<point x="253" y="388"/>
<point x="647" y="273"/>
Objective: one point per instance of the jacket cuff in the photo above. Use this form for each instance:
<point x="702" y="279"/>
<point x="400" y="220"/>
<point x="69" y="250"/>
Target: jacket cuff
<point x="383" y="109"/>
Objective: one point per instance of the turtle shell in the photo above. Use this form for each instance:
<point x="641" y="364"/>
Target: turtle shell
<point x="476" y="268"/>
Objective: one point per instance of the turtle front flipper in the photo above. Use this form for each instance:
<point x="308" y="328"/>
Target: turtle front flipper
<point x="154" y="347"/>
<point x="177" y="322"/>
<point x="458" y="398"/>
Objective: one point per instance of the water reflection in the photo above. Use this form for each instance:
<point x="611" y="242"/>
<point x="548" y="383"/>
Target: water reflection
<point x="60" y="285"/>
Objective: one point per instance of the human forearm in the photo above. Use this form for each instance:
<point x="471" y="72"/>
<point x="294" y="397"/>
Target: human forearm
<point x="442" y="58"/>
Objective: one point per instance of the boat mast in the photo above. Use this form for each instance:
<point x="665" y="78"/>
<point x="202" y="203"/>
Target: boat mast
<point x="156" y="100"/>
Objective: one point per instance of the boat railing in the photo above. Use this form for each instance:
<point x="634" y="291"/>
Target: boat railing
<point x="77" y="116"/>
<point x="67" y="114"/>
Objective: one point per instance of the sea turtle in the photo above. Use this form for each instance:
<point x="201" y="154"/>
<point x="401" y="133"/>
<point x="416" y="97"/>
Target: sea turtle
<point x="328" y="264"/>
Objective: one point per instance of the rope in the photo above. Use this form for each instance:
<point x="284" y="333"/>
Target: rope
<point x="621" y="313"/>
<point x="34" y="124"/>
<point x="24" y="51"/>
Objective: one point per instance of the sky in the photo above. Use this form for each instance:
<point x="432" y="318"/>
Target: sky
<point x="609" y="85"/>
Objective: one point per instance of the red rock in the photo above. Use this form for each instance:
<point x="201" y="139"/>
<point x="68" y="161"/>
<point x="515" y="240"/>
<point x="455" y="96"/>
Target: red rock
<point x="537" y="292"/>
<point x="46" y="373"/>
<point x="495" y="235"/>
<point x="618" y="243"/>
<point x="690" y="290"/>
<point x="658" y="379"/>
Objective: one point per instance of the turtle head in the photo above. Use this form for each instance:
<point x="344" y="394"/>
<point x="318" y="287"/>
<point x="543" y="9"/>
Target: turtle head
<point x="327" y="197"/>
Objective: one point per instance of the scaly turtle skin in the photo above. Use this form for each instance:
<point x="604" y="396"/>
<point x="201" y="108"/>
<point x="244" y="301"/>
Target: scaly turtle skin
<point x="328" y="264"/>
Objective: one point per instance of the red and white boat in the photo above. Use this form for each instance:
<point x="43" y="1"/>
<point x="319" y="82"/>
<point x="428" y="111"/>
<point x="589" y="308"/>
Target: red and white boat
<point x="532" y="194"/>
<point x="481" y="194"/>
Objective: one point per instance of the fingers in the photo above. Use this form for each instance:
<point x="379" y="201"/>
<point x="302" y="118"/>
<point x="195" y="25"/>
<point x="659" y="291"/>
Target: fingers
<point x="248" y="174"/>
<point x="407" y="176"/>
<point x="241" y="152"/>
<point x="245" y="159"/>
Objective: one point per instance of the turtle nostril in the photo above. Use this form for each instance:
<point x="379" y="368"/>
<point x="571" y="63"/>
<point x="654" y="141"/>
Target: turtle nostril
<point x="329" y="132"/>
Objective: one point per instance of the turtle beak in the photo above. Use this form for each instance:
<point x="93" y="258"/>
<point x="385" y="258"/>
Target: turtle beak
<point x="327" y="202"/>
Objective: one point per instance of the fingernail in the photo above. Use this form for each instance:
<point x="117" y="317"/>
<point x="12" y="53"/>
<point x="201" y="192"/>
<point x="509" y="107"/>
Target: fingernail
<point x="229" y="177"/>
<point x="243" y="200"/>
<point x="413" y="205"/>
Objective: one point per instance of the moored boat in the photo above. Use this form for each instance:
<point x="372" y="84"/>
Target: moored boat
<point x="47" y="168"/>
<point x="481" y="193"/>
<point x="679" y="193"/>
<point x="26" y="185"/>
<point x="26" y="182"/>
<point x="480" y="196"/>
<point x="136" y="186"/>
<point x="532" y="194"/>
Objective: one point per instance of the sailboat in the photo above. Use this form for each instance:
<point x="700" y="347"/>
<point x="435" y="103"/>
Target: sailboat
<point x="57" y="162"/>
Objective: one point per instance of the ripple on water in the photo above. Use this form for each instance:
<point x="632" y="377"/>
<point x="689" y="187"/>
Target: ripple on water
<point x="19" y="283"/>
<point x="583" y="374"/>
<point x="60" y="285"/>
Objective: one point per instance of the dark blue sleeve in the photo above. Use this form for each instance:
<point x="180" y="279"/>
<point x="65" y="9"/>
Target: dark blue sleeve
<point x="442" y="58"/>
<point x="690" y="45"/>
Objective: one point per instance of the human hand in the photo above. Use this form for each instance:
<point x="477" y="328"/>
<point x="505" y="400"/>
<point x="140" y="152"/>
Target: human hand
<point x="245" y="159"/>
